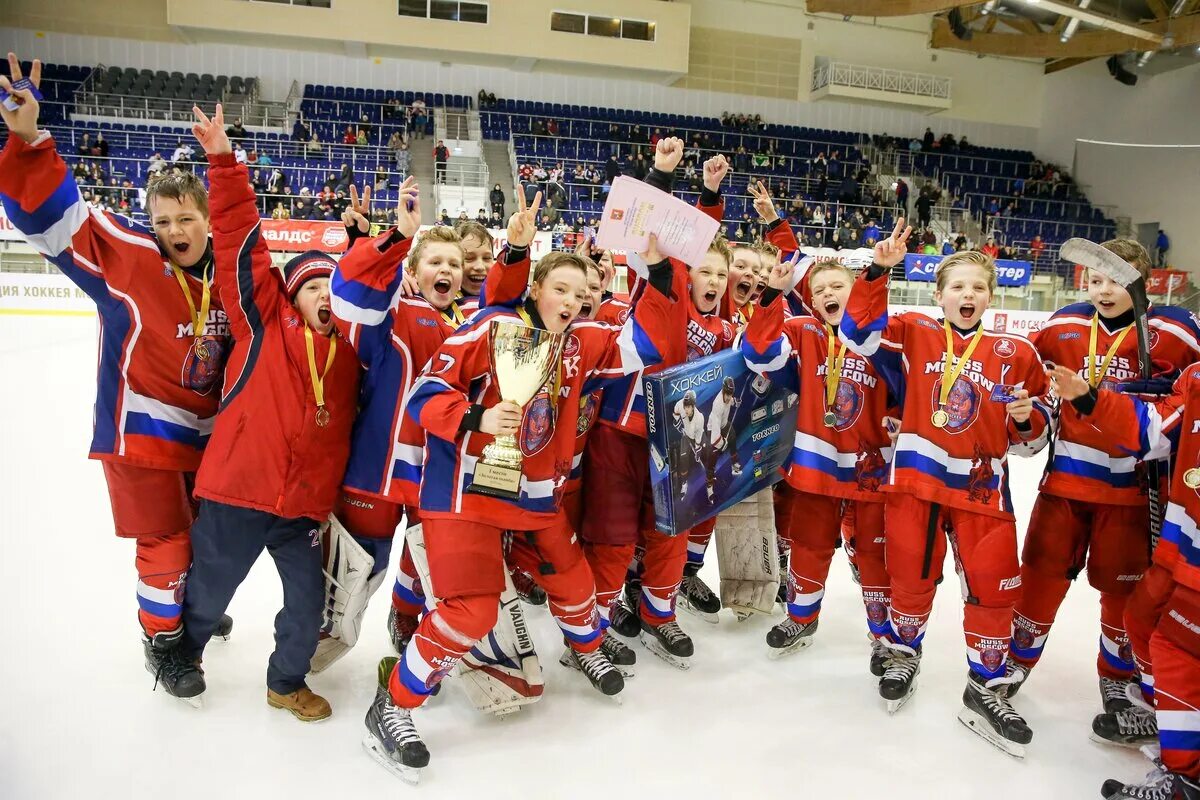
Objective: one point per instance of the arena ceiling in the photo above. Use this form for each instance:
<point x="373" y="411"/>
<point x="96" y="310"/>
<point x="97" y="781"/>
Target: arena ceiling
<point x="1150" y="35"/>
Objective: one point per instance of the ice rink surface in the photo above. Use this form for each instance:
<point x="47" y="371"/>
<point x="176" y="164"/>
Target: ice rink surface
<point x="80" y="720"/>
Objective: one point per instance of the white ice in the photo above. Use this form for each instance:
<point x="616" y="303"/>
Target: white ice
<point x="78" y="717"/>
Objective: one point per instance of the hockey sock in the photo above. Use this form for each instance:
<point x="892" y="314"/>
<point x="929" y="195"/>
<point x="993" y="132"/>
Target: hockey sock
<point x="1115" y="659"/>
<point x="162" y="564"/>
<point x="444" y="636"/>
<point x="697" y="545"/>
<point x="987" y="631"/>
<point x="609" y="564"/>
<point x="408" y="596"/>
<point x="1034" y="615"/>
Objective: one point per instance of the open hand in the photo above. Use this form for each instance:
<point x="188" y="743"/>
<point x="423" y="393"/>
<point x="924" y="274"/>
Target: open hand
<point x="1067" y="383"/>
<point x="23" y="122"/>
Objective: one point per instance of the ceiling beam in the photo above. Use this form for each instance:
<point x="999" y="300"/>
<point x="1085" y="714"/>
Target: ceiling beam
<point x="1064" y="63"/>
<point x="1093" y="18"/>
<point x="1085" y="44"/>
<point x="1022" y="24"/>
<point x="1159" y="8"/>
<point x="883" y="8"/>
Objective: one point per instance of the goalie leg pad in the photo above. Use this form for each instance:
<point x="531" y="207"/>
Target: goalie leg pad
<point x="748" y="555"/>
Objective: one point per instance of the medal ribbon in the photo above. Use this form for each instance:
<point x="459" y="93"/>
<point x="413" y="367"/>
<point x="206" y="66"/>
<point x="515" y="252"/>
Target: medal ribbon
<point x="1095" y="377"/>
<point x="318" y="384"/>
<point x="950" y="374"/>
<point x="833" y="368"/>
<point x="453" y="314"/>
<point x="198" y="320"/>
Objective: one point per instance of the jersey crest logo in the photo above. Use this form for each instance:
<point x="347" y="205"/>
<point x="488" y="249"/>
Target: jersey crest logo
<point x="587" y="414"/>
<point x="537" y="428"/>
<point x="201" y="374"/>
<point x="572" y="346"/>
<point x="623" y="316"/>
<point x="847" y="404"/>
<point x="1005" y="348"/>
<point x="962" y="404"/>
<point x="869" y="469"/>
<point x="1153" y="339"/>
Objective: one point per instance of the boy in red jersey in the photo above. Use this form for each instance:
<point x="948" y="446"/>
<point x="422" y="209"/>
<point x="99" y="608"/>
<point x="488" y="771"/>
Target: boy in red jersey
<point x="968" y="396"/>
<point x="281" y="440"/>
<point x="1092" y="506"/>
<point x="458" y="403"/>
<point x="163" y="343"/>
<point x="1152" y="430"/>
<point x="840" y="457"/>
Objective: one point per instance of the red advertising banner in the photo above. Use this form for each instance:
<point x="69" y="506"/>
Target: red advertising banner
<point x="296" y="235"/>
<point x="1161" y="281"/>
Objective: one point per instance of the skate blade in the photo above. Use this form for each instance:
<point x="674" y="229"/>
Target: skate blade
<point x="651" y="644"/>
<point x="1137" y="745"/>
<point x="410" y="775"/>
<point x="706" y="616"/>
<point x="569" y="663"/>
<point x="979" y="726"/>
<point x="196" y="702"/>
<point x="776" y="653"/>
<point x="895" y="705"/>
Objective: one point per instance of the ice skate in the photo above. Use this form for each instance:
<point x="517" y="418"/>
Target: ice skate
<point x="1159" y="784"/>
<point x="624" y="621"/>
<point x="1114" y="695"/>
<point x="620" y="654"/>
<point x="789" y="636"/>
<point x="1132" y="727"/>
<point x="175" y="672"/>
<point x="224" y="628"/>
<point x="391" y="738"/>
<point x="668" y="642"/>
<point x="987" y="712"/>
<point x="596" y="667"/>
<point x="879" y="657"/>
<point x="697" y="597"/>
<point x="899" y="680"/>
<point x="401" y="627"/>
<point x="530" y="593"/>
<point x="1017" y="673"/>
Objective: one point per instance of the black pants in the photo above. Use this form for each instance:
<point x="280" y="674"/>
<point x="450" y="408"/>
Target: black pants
<point x="226" y="541"/>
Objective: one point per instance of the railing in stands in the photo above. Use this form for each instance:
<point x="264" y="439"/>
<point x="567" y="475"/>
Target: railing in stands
<point x="882" y="79"/>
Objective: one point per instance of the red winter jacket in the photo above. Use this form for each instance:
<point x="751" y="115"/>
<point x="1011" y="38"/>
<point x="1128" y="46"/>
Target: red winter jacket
<point x="266" y="450"/>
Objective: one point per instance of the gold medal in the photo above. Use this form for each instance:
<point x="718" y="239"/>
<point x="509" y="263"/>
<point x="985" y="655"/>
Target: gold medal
<point x="318" y="382"/>
<point x="940" y="418"/>
<point x="322" y="416"/>
<point x="834" y="361"/>
<point x="830" y="419"/>
<point x="950" y="372"/>
<point x="199" y="318"/>
<point x="1191" y="478"/>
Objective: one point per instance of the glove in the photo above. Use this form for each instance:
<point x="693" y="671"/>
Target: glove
<point x="1160" y="386"/>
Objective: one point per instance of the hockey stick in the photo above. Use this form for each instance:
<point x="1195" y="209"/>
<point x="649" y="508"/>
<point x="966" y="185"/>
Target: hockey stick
<point x="1094" y="257"/>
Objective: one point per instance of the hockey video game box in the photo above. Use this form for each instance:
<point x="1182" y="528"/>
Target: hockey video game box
<point x="718" y="433"/>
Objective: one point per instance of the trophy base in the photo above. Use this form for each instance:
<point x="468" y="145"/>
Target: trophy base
<point x="496" y="481"/>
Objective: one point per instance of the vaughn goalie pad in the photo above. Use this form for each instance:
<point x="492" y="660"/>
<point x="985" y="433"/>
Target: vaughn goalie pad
<point x="348" y="587"/>
<point x="501" y="672"/>
<point x="748" y="555"/>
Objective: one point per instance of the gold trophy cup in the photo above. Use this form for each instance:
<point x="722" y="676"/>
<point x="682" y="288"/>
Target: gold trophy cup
<point x="522" y="360"/>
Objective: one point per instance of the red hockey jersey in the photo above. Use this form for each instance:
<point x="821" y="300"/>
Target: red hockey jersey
<point x="268" y="452"/>
<point x="851" y="458"/>
<point x="395" y="337"/>
<point x="460" y="376"/>
<point x="1152" y="430"/>
<point x="155" y="400"/>
<point x="1085" y="463"/>
<point x="964" y="464"/>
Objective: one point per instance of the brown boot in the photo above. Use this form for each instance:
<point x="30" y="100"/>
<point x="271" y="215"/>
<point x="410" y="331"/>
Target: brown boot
<point x="303" y="703"/>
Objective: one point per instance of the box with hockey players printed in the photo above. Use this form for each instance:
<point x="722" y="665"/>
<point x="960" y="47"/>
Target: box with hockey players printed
<point x="718" y="433"/>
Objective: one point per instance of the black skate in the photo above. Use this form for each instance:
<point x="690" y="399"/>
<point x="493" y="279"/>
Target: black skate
<point x="596" y="667"/>
<point x="1114" y="695"/>
<point x="624" y="621"/>
<point x="224" y="628"/>
<point x="1133" y="727"/>
<point x="391" y="738"/>
<point x="697" y="597"/>
<point x="401" y="628"/>
<point x="899" y="680"/>
<point x="620" y="654"/>
<point x="987" y="712"/>
<point x="789" y="636"/>
<point x="530" y="593"/>
<point x="171" y="669"/>
<point x="879" y="656"/>
<point x="668" y="642"/>
<point x="1159" y="784"/>
<point x="1017" y="673"/>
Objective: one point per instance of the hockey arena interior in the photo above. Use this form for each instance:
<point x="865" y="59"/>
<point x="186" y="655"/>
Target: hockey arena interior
<point x="710" y="398"/>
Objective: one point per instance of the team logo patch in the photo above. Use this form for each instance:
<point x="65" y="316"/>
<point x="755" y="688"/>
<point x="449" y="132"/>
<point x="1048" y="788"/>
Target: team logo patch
<point x="537" y="427"/>
<point x="1153" y="338"/>
<point x="908" y="633"/>
<point x="877" y="613"/>
<point x="179" y="589"/>
<point x="847" y="404"/>
<point x="617" y="214"/>
<point x="587" y="414"/>
<point x="991" y="659"/>
<point x="962" y="404"/>
<point x="1005" y="348"/>
<point x="1023" y="638"/>
<point x="1125" y="653"/>
<point x="623" y="316"/>
<point x="436" y="676"/>
<point x="572" y="346"/>
<point x="418" y="588"/>
<point x="201" y="374"/>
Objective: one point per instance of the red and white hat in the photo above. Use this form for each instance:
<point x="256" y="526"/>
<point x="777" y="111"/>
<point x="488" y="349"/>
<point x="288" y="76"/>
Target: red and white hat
<point x="304" y="267"/>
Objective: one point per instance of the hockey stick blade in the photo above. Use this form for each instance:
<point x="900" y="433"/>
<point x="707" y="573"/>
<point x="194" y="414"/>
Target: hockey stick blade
<point x="1094" y="257"/>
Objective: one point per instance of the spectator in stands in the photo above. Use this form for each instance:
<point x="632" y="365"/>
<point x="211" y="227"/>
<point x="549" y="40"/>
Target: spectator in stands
<point x="845" y="237"/>
<point x="612" y="168"/>
<point x="1161" y="245"/>
<point x="870" y="234"/>
<point x="1005" y="252"/>
<point x="1036" y="247"/>
<point x="85" y="145"/>
<point x="381" y="179"/>
<point x="690" y="176"/>
<point x="543" y="223"/>
<point x="314" y="145"/>
<point x="279" y="212"/>
<point x="819" y="165"/>
<point x="924" y="208"/>
<point x="100" y="146"/>
<point x="537" y="127"/>
<point x="395" y="140"/>
<point x="990" y="248"/>
<point x="960" y="242"/>
<point x="236" y="131"/>
<point x="445" y="218"/>
<point x="835" y="164"/>
<point x="403" y="160"/>
<point x="482" y="217"/>
<point x="496" y="198"/>
<point x="902" y="196"/>
<point x="360" y="138"/>
<point x="157" y="164"/>
<point x="391" y="110"/>
<point x="420" y="117"/>
<point x="349" y="136"/>
<point x="914" y="145"/>
<point x="278" y="182"/>
<point x="927" y="140"/>
<point x="640" y="167"/>
<point x="304" y="207"/>
<point x="239" y="153"/>
<point x="947" y="247"/>
<point x="345" y="179"/>
<point x="258" y="183"/>
<point x="929" y="249"/>
<point x="262" y="159"/>
<point x="364" y="125"/>
<point x="741" y="160"/>
<point x="963" y="144"/>
<point x="183" y="153"/>
<point x="552" y="127"/>
<point x="948" y="144"/>
<point x="848" y="190"/>
<point x="496" y="221"/>
<point x="441" y="155"/>
<point x="486" y="99"/>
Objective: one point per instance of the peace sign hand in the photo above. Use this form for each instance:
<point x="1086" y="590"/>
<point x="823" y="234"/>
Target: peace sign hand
<point x="359" y="211"/>
<point x="23" y="122"/>
<point x="522" y="226"/>
<point x="211" y="132"/>
<point x="408" y="208"/>
<point x="762" y="202"/>
<point x="891" y="251"/>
